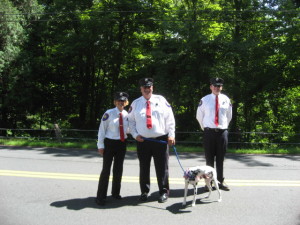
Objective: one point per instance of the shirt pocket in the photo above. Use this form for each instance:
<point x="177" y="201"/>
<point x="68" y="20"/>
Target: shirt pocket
<point x="126" y="125"/>
<point x="224" y="106"/>
<point x="140" y="115"/>
<point x="114" y="125"/>
<point x="157" y="111"/>
<point x="210" y="110"/>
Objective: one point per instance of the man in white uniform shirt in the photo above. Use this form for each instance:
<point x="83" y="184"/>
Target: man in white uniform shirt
<point x="150" y="116"/>
<point x="214" y="114"/>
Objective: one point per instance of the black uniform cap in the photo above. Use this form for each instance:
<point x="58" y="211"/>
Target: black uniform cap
<point x="146" y="82"/>
<point x="217" y="81"/>
<point x="121" y="96"/>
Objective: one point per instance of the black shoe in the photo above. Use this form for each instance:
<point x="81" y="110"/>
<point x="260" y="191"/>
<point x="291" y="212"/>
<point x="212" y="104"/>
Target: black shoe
<point x="163" y="198"/>
<point x="223" y="186"/>
<point x="119" y="197"/>
<point x="143" y="197"/>
<point x="100" y="201"/>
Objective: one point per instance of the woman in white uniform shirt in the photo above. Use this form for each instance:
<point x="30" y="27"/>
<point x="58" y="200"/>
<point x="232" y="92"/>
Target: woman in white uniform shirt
<point x="112" y="146"/>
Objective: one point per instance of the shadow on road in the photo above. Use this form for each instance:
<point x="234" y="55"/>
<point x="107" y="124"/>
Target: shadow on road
<point x="249" y="160"/>
<point x="178" y="208"/>
<point x="111" y="203"/>
<point x="89" y="202"/>
<point x="89" y="153"/>
<point x="76" y="204"/>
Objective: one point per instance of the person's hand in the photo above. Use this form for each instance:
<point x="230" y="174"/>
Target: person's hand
<point x="139" y="138"/>
<point x="101" y="151"/>
<point x="171" y="141"/>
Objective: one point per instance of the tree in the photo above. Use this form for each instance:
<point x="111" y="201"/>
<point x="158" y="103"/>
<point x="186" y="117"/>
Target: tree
<point x="71" y="56"/>
<point x="12" y="36"/>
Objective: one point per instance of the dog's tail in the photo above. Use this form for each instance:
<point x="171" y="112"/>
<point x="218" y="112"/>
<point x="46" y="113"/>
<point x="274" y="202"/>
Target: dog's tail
<point x="216" y="177"/>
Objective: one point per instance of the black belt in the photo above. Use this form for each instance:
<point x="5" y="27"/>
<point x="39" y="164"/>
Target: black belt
<point x="163" y="137"/>
<point x="214" y="129"/>
<point x="114" y="140"/>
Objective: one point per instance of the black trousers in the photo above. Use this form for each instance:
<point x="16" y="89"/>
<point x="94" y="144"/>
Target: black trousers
<point x="215" y="146"/>
<point x="114" y="151"/>
<point x="160" y="153"/>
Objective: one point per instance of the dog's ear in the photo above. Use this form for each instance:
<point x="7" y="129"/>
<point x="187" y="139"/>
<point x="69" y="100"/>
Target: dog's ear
<point x="186" y="174"/>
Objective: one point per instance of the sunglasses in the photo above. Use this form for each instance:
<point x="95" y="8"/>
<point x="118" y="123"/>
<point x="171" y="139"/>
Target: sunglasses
<point x="217" y="85"/>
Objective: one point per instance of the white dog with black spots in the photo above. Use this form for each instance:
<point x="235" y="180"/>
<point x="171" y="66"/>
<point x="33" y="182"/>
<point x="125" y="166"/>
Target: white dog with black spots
<point x="194" y="174"/>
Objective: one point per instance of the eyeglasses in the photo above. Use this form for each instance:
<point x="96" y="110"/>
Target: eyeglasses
<point x="217" y="85"/>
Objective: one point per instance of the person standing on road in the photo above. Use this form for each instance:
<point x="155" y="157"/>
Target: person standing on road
<point x="111" y="145"/>
<point x="214" y="114"/>
<point x="151" y="116"/>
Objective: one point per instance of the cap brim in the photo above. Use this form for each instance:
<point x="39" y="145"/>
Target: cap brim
<point x="149" y="84"/>
<point x="122" y="99"/>
<point x="219" y="84"/>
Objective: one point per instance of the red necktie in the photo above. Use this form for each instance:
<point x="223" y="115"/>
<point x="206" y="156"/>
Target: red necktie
<point x="148" y="115"/>
<point x="121" y="128"/>
<point x="217" y="111"/>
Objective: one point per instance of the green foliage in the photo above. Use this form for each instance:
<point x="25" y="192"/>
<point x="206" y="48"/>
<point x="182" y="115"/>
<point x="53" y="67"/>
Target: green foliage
<point x="12" y="34"/>
<point x="61" y="61"/>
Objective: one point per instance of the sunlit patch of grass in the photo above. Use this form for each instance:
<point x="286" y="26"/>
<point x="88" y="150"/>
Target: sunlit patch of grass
<point x="132" y="147"/>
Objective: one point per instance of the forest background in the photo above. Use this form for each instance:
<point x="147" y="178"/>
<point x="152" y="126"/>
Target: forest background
<point x="62" y="60"/>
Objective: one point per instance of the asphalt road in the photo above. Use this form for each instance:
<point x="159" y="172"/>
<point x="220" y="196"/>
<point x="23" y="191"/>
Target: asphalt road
<point x="41" y="186"/>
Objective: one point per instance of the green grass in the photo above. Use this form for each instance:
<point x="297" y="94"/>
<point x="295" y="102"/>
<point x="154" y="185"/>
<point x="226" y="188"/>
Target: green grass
<point x="293" y="150"/>
<point x="47" y="143"/>
<point x="131" y="147"/>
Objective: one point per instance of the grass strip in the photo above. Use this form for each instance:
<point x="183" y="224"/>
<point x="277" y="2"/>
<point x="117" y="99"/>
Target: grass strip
<point x="88" y="144"/>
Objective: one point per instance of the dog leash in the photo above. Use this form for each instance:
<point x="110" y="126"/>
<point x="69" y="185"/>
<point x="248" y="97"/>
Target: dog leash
<point x="173" y="146"/>
<point x="155" y="140"/>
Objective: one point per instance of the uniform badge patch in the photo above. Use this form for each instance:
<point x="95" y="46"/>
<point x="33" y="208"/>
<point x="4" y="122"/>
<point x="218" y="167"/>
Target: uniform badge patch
<point x="200" y="103"/>
<point x="130" y="109"/>
<point x="105" y="117"/>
